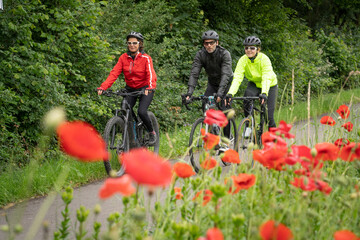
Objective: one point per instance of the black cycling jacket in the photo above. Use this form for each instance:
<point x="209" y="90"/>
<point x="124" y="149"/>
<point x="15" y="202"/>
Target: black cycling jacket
<point x="217" y="66"/>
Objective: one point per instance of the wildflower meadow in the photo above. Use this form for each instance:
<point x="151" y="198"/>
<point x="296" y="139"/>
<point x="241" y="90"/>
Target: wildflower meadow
<point x="281" y="191"/>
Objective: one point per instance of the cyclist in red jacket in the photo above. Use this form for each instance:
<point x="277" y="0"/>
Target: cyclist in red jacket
<point x="139" y="73"/>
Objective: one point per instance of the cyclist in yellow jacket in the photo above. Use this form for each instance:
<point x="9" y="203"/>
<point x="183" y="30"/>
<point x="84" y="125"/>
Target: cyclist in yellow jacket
<point x="257" y="69"/>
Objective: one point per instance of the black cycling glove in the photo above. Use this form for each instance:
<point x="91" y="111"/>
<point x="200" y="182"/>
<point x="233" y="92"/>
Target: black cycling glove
<point x="263" y="96"/>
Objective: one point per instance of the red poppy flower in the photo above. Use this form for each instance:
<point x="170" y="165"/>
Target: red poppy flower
<point x="207" y="195"/>
<point x="350" y="152"/>
<point x="146" y="167"/>
<point x="231" y="156"/>
<point x="217" y="117"/>
<point x="345" y="235"/>
<point x="209" y="163"/>
<point x="343" y="111"/>
<point x="243" y="181"/>
<point x="348" y="126"/>
<point x="271" y="157"/>
<point x="272" y="231"/>
<point x="214" y="234"/>
<point x="323" y="187"/>
<point x="306" y="184"/>
<point x="327" y="121"/>
<point x="283" y="129"/>
<point x="122" y="185"/>
<point x="178" y="194"/>
<point x="210" y="140"/>
<point x="183" y="170"/>
<point x="326" y="151"/>
<point x="81" y="140"/>
<point x="269" y="137"/>
<point x="341" y="142"/>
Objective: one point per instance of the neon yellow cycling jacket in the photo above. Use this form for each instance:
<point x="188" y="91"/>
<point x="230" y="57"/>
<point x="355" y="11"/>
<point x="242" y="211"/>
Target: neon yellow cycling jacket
<point x="260" y="72"/>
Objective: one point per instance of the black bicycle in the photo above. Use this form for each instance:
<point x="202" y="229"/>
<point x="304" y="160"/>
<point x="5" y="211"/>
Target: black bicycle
<point x="196" y="143"/>
<point x="252" y="126"/>
<point x="125" y="130"/>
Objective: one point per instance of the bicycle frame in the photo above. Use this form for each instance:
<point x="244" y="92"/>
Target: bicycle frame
<point x="128" y="115"/>
<point x="253" y="109"/>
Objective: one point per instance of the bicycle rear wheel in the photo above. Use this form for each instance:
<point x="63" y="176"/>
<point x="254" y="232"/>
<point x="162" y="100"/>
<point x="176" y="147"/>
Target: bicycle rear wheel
<point x="245" y="138"/>
<point x="116" y="144"/>
<point x="143" y="134"/>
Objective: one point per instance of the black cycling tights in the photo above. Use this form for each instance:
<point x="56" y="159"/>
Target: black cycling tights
<point x="144" y="104"/>
<point x="253" y="91"/>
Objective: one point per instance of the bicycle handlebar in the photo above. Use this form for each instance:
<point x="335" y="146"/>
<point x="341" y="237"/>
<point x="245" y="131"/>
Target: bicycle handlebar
<point x="122" y="93"/>
<point x="192" y="99"/>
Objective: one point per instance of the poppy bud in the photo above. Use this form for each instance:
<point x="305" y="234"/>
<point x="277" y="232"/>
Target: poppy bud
<point x="4" y="228"/>
<point x="46" y="225"/>
<point x="18" y="228"/>
<point x="97" y="209"/>
<point x="354" y="195"/>
<point x="313" y="152"/>
<point x="230" y="114"/>
<point x="251" y="146"/>
<point x="54" y="117"/>
<point x="138" y="214"/>
<point x="112" y="173"/>
<point x="238" y="219"/>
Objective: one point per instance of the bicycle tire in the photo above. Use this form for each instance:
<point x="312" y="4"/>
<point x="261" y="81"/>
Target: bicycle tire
<point x="243" y="142"/>
<point x="113" y="136"/>
<point x="262" y="124"/>
<point x="195" y="134"/>
<point x="143" y="134"/>
<point x="233" y="138"/>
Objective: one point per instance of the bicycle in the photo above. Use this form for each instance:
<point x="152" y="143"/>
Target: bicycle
<point x="125" y="130"/>
<point x="249" y="131"/>
<point x="195" y="134"/>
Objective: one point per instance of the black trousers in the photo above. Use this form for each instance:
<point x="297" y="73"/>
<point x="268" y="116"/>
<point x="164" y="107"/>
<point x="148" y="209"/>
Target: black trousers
<point x="210" y="90"/>
<point x="253" y="91"/>
<point x="144" y="103"/>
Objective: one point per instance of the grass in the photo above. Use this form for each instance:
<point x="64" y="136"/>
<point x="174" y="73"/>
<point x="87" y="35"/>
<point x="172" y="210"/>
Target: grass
<point x="38" y="179"/>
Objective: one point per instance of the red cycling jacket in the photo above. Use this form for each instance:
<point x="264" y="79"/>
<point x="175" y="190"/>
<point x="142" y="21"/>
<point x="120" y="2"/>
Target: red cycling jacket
<point x="138" y="72"/>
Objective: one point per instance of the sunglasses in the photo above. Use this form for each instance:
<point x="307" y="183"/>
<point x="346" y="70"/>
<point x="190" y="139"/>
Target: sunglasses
<point x="251" y="48"/>
<point x="209" y="43"/>
<point x="132" y="43"/>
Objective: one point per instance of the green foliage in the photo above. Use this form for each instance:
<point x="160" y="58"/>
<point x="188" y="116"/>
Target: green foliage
<point x="57" y="52"/>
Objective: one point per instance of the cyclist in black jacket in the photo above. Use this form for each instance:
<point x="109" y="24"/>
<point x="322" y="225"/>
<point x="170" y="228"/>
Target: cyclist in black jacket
<point x="216" y="61"/>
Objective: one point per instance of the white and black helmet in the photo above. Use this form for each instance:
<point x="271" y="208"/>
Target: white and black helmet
<point x="136" y="35"/>
<point x="210" y="34"/>
<point x="252" y="41"/>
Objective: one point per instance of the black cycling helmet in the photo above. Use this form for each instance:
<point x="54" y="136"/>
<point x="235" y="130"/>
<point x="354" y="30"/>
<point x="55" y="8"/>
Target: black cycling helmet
<point x="210" y="34"/>
<point x="252" y="41"/>
<point x="136" y="35"/>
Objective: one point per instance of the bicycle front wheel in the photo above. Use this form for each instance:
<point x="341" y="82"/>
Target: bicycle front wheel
<point x="246" y="135"/>
<point x="196" y="143"/>
<point x="116" y="143"/>
<point x="232" y="136"/>
<point x="144" y="134"/>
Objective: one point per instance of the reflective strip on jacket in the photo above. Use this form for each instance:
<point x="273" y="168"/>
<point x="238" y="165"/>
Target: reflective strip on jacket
<point x="260" y="72"/>
<point x="138" y="72"/>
